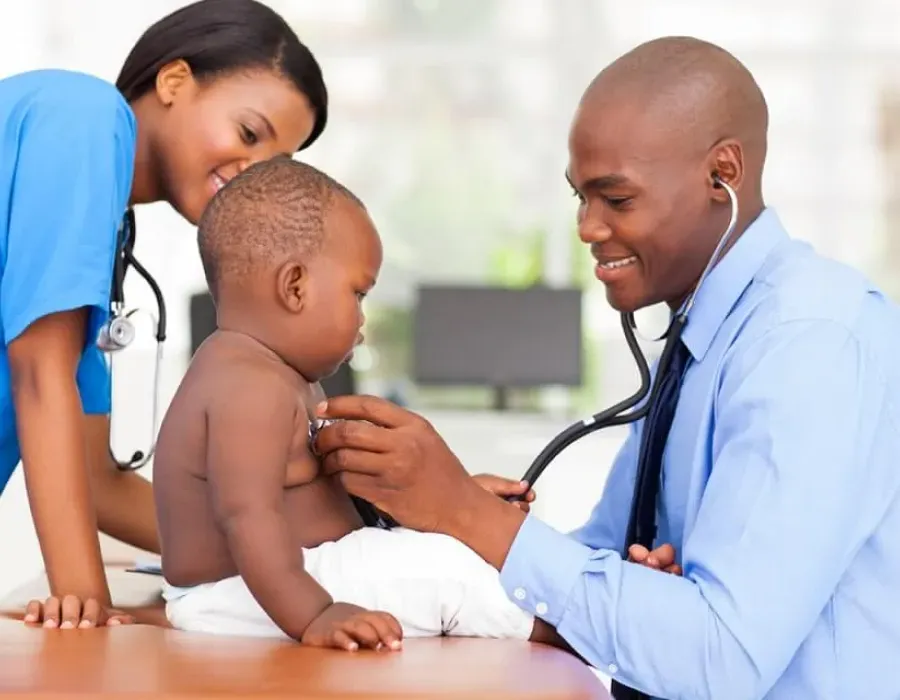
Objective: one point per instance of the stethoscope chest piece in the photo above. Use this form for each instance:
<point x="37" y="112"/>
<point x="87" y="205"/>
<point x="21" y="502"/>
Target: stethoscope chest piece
<point x="117" y="333"/>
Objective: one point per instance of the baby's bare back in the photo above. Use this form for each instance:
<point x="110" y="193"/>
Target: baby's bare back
<point x="189" y="490"/>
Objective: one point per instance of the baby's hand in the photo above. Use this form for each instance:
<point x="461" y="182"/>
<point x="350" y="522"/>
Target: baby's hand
<point x="662" y="558"/>
<point x="505" y="488"/>
<point x="345" y="626"/>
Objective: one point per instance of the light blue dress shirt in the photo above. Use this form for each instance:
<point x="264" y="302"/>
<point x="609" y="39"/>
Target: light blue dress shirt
<point x="67" y="143"/>
<point x="780" y="493"/>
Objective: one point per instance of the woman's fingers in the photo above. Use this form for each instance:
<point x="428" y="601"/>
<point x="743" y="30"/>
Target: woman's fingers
<point x="90" y="615"/>
<point x="52" y="610"/>
<point x="71" y="612"/>
<point x="34" y="611"/>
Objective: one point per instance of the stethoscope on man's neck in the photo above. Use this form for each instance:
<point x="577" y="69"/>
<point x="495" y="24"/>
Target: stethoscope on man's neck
<point x="621" y="413"/>
<point x="119" y="331"/>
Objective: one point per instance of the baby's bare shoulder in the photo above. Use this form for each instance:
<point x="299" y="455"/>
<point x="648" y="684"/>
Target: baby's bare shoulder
<point x="243" y="370"/>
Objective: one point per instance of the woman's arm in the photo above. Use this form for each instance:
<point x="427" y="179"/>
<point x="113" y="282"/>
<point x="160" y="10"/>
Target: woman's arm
<point x="74" y="162"/>
<point x="43" y="363"/>
<point x="123" y="500"/>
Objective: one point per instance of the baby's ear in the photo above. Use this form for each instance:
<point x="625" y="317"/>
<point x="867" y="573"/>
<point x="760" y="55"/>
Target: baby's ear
<point x="292" y="277"/>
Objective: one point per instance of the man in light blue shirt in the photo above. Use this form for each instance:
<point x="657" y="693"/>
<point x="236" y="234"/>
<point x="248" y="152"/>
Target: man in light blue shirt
<point x="780" y="486"/>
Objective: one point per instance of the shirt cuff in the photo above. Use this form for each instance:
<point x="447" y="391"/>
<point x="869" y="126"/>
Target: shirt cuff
<point x="542" y="568"/>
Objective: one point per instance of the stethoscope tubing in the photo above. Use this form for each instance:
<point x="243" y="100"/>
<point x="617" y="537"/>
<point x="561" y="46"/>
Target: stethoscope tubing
<point x="621" y="413"/>
<point x="124" y="257"/>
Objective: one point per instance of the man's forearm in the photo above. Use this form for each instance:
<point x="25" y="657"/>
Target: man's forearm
<point x="486" y="524"/>
<point x="54" y="455"/>
<point x="622" y="618"/>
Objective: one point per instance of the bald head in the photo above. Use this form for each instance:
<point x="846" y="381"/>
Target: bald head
<point x="655" y="134"/>
<point x="689" y="90"/>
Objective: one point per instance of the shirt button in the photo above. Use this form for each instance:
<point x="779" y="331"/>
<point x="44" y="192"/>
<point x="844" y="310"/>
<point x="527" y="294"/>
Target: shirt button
<point x="541" y="608"/>
<point x="519" y="593"/>
<point x="613" y="668"/>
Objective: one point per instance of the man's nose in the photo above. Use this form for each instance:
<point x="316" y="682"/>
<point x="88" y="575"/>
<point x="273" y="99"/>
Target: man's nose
<point x="592" y="228"/>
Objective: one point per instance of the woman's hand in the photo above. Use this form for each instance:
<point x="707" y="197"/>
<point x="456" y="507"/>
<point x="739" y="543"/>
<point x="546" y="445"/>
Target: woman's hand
<point x="71" y="613"/>
<point x="394" y="459"/>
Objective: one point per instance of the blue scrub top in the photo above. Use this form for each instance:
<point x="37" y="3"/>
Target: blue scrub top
<point x="67" y="144"/>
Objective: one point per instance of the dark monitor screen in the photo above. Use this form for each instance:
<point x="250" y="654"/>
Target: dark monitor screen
<point x="497" y="336"/>
<point x="202" y="319"/>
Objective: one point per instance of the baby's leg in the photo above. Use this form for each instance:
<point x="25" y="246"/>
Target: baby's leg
<point x="373" y="568"/>
<point x="432" y="584"/>
<point x="225" y="607"/>
<point x="479" y="606"/>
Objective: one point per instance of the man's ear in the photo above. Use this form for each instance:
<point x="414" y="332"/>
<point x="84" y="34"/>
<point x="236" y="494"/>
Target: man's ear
<point x="725" y="163"/>
<point x="172" y="80"/>
<point x="291" y="286"/>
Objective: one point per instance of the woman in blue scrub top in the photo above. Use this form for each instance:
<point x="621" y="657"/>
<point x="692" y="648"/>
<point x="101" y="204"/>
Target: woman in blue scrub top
<point x="205" y="92"/>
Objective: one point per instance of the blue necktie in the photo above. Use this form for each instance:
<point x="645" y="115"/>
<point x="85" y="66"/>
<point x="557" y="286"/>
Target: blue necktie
<point x="642" y="520"/>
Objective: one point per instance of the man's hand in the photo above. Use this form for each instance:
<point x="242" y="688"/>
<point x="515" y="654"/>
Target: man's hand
<point x="395" y="460"/>
<point x="71" y="613"/>
<point x="507" y="488"/>
<point x="345" y="626"/>
<point x="662" y="558"/>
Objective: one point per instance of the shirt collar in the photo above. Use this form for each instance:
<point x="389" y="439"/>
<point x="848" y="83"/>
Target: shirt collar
<point x="727" y="281"/>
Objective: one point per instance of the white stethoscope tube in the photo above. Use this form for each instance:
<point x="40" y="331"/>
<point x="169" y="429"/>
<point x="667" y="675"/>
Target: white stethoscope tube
<point x="119" y="332"/>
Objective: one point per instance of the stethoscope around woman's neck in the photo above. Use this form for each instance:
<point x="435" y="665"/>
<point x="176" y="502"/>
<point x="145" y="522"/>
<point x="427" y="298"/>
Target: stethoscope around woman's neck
<point x="119" y="331"/>
<point x="622" y="413"/>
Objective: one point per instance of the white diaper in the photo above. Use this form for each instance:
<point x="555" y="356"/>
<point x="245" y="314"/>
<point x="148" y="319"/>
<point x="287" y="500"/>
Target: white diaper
<point x="432" y="584"/>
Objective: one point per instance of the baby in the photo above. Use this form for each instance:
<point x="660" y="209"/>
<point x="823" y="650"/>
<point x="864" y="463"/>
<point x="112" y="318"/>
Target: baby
<point x="255" y="540"/>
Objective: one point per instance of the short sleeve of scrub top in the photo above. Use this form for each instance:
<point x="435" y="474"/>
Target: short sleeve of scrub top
<point x="71" y="182"/>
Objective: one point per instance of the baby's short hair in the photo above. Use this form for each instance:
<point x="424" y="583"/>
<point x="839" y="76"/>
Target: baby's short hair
<point x="275" y="208"/>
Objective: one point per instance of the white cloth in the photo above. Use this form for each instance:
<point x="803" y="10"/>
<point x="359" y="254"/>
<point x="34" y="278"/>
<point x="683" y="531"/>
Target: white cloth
<point x="432" y="584"/>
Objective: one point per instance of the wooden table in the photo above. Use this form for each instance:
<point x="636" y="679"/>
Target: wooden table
<point x="165" y="663"/>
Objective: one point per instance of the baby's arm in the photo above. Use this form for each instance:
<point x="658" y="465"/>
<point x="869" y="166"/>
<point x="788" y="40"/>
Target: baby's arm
<point x="249" y="435"/>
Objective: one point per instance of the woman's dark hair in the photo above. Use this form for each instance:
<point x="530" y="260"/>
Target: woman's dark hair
<point x="217" y="37"/>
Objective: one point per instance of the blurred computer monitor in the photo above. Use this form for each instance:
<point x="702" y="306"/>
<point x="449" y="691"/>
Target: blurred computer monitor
<point x="203" y="323"/>
<point x="202" y="316"/>
<point x="341" y="383"/>
<point x="498" y="337"/>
